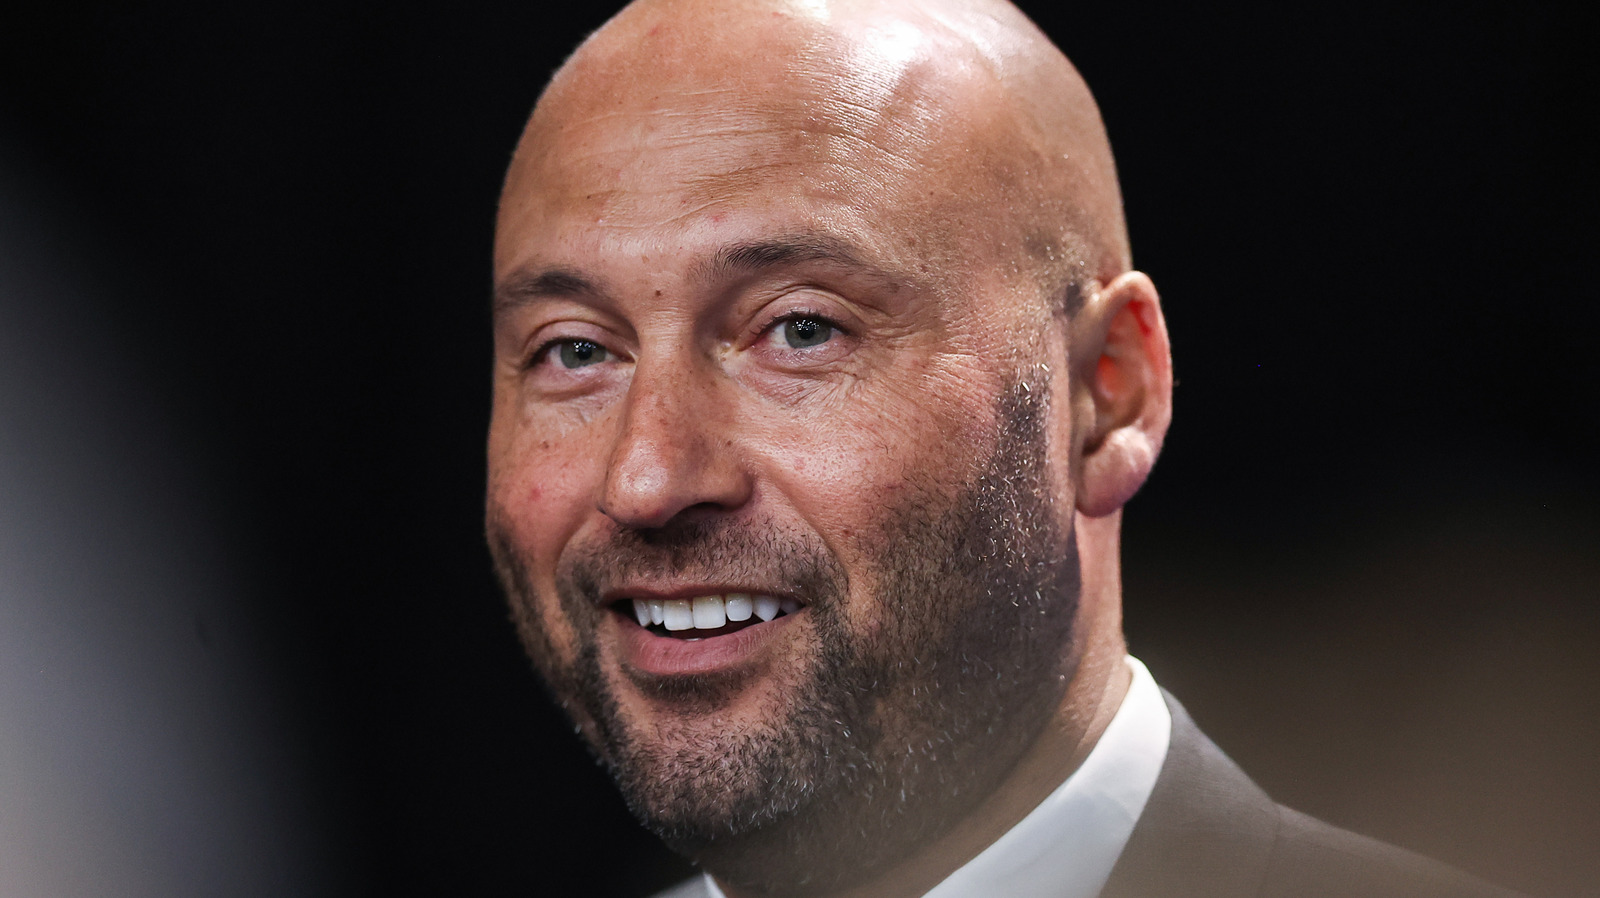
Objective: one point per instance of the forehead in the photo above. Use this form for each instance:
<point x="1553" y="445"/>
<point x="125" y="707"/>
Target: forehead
<point x="884" y="137"/>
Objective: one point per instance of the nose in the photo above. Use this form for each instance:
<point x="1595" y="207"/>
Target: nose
<point x="674" y="451"/>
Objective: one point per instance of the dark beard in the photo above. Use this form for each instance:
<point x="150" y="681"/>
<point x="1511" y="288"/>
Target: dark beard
<point x="890" y="737"/>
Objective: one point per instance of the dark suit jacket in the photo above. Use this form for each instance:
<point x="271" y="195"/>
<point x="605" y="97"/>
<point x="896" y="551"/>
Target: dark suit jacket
<point x="1209" y="832"/>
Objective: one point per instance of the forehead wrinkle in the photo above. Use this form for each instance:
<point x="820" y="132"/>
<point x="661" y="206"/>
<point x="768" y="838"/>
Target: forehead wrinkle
<point x="836" y="166"/>
<point x="885" y="104"/>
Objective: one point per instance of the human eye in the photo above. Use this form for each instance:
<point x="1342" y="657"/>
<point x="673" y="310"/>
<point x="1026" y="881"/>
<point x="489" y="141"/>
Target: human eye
<point x="799" y="331"/>
<point x="804" y="333"/>
<point x="570" y="361"/>
<point x="572" y="353"/>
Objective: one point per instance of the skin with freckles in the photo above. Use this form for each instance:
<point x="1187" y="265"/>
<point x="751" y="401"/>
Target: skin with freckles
<point x="827" y="301"/>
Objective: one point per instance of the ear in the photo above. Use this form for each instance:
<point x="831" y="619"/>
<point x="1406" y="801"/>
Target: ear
<point x="1124" y="370"/>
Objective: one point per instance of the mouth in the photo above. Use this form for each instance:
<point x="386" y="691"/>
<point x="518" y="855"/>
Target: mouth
<point x="707" y="616"/>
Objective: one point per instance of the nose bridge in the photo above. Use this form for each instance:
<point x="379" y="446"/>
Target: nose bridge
<point x="671" y="452"/>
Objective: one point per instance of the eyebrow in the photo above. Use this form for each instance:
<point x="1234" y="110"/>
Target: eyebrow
<point x="740" y="259"/>
<point x="523" y="287"/>
<point x="756" y="256"/>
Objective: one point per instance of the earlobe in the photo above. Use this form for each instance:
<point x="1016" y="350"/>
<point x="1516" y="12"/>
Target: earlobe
<point x="1126" y="370"/>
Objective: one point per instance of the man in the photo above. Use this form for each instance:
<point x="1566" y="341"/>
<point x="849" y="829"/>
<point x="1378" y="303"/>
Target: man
<point x="821" y="379"/>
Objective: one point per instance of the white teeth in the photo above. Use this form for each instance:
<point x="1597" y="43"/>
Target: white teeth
<point x="738" y="606"/>
<point x="677" y="615"/>
<point x="766" y="607"/>
<point x="708" y="613"/>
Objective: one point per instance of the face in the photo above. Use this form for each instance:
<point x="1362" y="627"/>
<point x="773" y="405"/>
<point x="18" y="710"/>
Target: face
<point x="777" y="486"/>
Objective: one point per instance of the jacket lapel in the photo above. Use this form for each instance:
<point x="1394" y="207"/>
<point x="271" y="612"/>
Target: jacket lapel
<point x="1207" y="830"/>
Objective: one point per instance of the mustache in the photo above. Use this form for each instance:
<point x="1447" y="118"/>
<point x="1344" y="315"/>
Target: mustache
<point x="713" y="549"/>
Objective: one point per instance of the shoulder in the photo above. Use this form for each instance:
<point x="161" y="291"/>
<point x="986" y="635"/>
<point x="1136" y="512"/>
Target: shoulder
<point x="689" y="888"/>
<point x="1311" y="858"/>
<point x="1208" y="831"/>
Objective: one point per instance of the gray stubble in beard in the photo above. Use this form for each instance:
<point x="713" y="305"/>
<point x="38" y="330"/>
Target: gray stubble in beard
<point x="979" y="604"/>
<point x="896" y="734"/>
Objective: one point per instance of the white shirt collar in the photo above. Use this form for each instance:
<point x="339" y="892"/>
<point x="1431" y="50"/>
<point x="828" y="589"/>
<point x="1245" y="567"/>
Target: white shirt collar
<point x="1066" y="847"/>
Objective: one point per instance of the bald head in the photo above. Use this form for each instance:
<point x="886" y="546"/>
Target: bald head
<point x="825" y="303"/>
<point x="982" y="141"/>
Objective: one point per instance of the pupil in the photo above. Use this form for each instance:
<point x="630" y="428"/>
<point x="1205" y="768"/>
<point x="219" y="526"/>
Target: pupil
<point x="803" y="332"/>
<point x="579" y="353"/>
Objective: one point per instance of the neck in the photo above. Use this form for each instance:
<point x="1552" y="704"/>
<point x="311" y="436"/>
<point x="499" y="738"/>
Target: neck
<point x="1092" y="697"/>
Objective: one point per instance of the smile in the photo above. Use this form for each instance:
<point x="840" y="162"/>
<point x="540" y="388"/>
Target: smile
<point x="707" y="616"/>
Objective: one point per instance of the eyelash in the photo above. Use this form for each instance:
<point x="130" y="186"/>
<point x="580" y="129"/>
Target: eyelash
<point x="543" y="353"/>
<point x="798" y="314"/>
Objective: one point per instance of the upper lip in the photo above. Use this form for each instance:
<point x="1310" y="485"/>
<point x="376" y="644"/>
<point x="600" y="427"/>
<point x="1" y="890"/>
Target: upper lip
<point x="660" y="592"/>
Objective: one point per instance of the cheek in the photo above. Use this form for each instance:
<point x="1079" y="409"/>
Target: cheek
<point x="543" y="473"/>
<point x="539" y="494"/>
<point x="856" y="475"/>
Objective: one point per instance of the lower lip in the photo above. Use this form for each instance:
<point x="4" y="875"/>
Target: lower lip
<point x="665" y="656"/>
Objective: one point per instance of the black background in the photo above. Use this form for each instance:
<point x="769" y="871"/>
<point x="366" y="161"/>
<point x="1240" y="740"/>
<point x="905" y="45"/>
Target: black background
<point x="1368" y="561"/>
